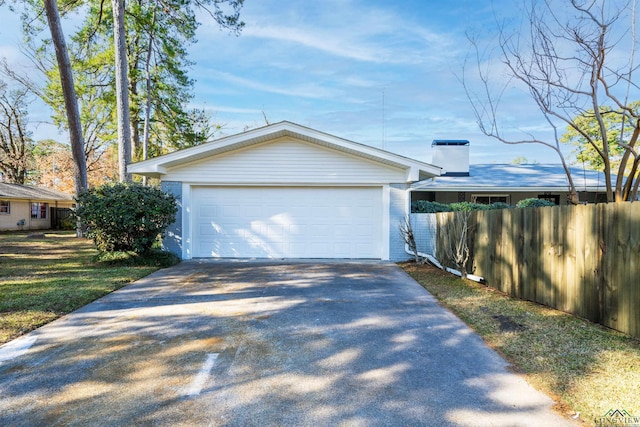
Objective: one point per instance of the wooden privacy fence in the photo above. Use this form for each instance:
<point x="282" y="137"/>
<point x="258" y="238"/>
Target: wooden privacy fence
<point x="582" y="259"/>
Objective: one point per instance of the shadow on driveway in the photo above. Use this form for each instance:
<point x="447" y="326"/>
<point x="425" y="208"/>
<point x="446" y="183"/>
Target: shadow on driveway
<point x="238" y="343"/>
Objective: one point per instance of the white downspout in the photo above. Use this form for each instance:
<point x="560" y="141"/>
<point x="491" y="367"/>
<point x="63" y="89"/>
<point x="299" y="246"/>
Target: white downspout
<point x="435" y="262"/>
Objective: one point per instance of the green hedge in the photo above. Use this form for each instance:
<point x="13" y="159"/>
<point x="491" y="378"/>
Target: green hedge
<point x="424" y="206"/>
<point x="534" y="203"/>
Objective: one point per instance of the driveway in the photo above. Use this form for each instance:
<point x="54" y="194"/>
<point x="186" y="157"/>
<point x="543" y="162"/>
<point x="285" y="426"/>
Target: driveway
<point x="238" y="343"/>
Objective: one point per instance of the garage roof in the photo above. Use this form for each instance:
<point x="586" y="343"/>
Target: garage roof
<point x="157" y="167"/>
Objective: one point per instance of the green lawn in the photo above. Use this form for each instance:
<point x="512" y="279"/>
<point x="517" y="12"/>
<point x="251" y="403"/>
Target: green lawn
<point x="587" y="368"/>
<point x="42" y="279"/>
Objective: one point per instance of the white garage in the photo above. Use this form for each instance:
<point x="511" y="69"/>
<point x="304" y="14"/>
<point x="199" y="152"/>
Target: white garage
<point x="286" y="191"/>
<point x="288" y="222"/>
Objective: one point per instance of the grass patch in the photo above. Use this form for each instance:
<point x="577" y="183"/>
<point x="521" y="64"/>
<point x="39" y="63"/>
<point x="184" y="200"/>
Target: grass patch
<point x="586" y="368"/>
<point x="42" y="279"/>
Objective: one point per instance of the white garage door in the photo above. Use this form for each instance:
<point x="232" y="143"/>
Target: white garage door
<point x="291" y="222"/>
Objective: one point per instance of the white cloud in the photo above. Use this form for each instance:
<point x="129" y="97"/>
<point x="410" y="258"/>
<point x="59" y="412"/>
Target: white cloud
<point x="351" y="30"/>
<point x="308" y="90"/>
<point x="339" y="44"/>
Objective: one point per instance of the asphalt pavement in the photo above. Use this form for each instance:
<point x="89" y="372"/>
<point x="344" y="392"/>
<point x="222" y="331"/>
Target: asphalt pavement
<point x="265" y="343"/>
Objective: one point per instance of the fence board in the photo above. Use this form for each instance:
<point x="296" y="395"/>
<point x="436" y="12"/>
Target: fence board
<point x="530" y="276"/>
<point x="571" y="301"/>
<point x="611" y="273"/>
<point x="623" y="263"/>
<point x="547" y="259"/>
<point x="586" y="245"/>
<point x="634" y="270"/>
<point x="510" y="233"/>
<point x="599" y="266"/>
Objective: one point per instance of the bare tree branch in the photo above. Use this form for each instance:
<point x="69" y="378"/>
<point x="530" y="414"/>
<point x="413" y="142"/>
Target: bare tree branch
<point x="568" y="62"/>
<point x="406" y="231"/>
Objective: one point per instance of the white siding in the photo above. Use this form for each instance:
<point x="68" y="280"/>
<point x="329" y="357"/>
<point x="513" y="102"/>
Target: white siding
<point x="283" y="161"/>
<point x="397" y="213"/>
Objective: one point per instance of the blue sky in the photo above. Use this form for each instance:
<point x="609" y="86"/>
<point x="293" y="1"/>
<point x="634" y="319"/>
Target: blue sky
<point x="376" y="72"/>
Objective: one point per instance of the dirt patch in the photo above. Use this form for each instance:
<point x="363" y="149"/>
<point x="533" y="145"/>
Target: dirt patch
<point x="508" y="324"/>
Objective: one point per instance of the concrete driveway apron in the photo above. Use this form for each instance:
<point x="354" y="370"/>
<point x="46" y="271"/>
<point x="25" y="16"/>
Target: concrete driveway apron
<point x="238" y="343"/>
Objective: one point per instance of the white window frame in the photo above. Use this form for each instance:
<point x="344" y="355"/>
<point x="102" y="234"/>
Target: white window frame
<point x="37" y="213"/>
<point x="474" y="198"/>
<point x="3" y="204"/>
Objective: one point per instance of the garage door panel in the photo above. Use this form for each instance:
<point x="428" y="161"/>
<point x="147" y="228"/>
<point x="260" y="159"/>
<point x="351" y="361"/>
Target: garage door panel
<point x="319" y="231"/>
<point x="287" y="222"/>
<point x="298" y="248"/>
<point x="361" y="247"/>
<point x="230" y="211"/>
<point x="342" y="249"/>
<point x="318" y="250"/>
<point x="363" y="212"/>
<point x="207" y="231"/>
<point x="364" y="230"/>
<point x="275" y="231"/>
<point x="208" y="211"/>
<point x="209" y="247"/>
<point x="342" y="231"/>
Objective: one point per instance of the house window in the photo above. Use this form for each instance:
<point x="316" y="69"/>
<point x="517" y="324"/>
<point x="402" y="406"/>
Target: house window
<point x="487" y="199"/>
<point x="39" y="210"/>
<point x="5" y="207"/>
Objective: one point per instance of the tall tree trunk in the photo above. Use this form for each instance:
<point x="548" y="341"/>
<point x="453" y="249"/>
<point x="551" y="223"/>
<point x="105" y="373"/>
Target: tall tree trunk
<point x="147" y="107"/>
<point x="122" y="94"/>
<point x="133" y="57"/>
<point x="70" y="100"/>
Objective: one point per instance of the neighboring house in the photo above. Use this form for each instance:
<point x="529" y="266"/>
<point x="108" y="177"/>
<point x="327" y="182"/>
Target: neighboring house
<point x="508" y="183"/>
<point x="287" y="191"/>
<point x="23" y="207"/>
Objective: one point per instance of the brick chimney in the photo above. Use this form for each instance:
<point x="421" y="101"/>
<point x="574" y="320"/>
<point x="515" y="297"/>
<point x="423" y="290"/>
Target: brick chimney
<point x="452" y="155"/>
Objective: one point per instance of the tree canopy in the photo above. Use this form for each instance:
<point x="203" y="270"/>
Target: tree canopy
<point x="154" y="70"/>
<point x="158" y="35"/>
<point x="589" y="150"/>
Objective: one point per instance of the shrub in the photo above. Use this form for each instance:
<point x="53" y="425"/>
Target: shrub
<point x="534" y="203"/>
<point x="424" y="206"/>
<point x="125" y="217"/>
<point x="468" y="207"/>
<point x="500" y="205"/>
<point x="68" y="223"/>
